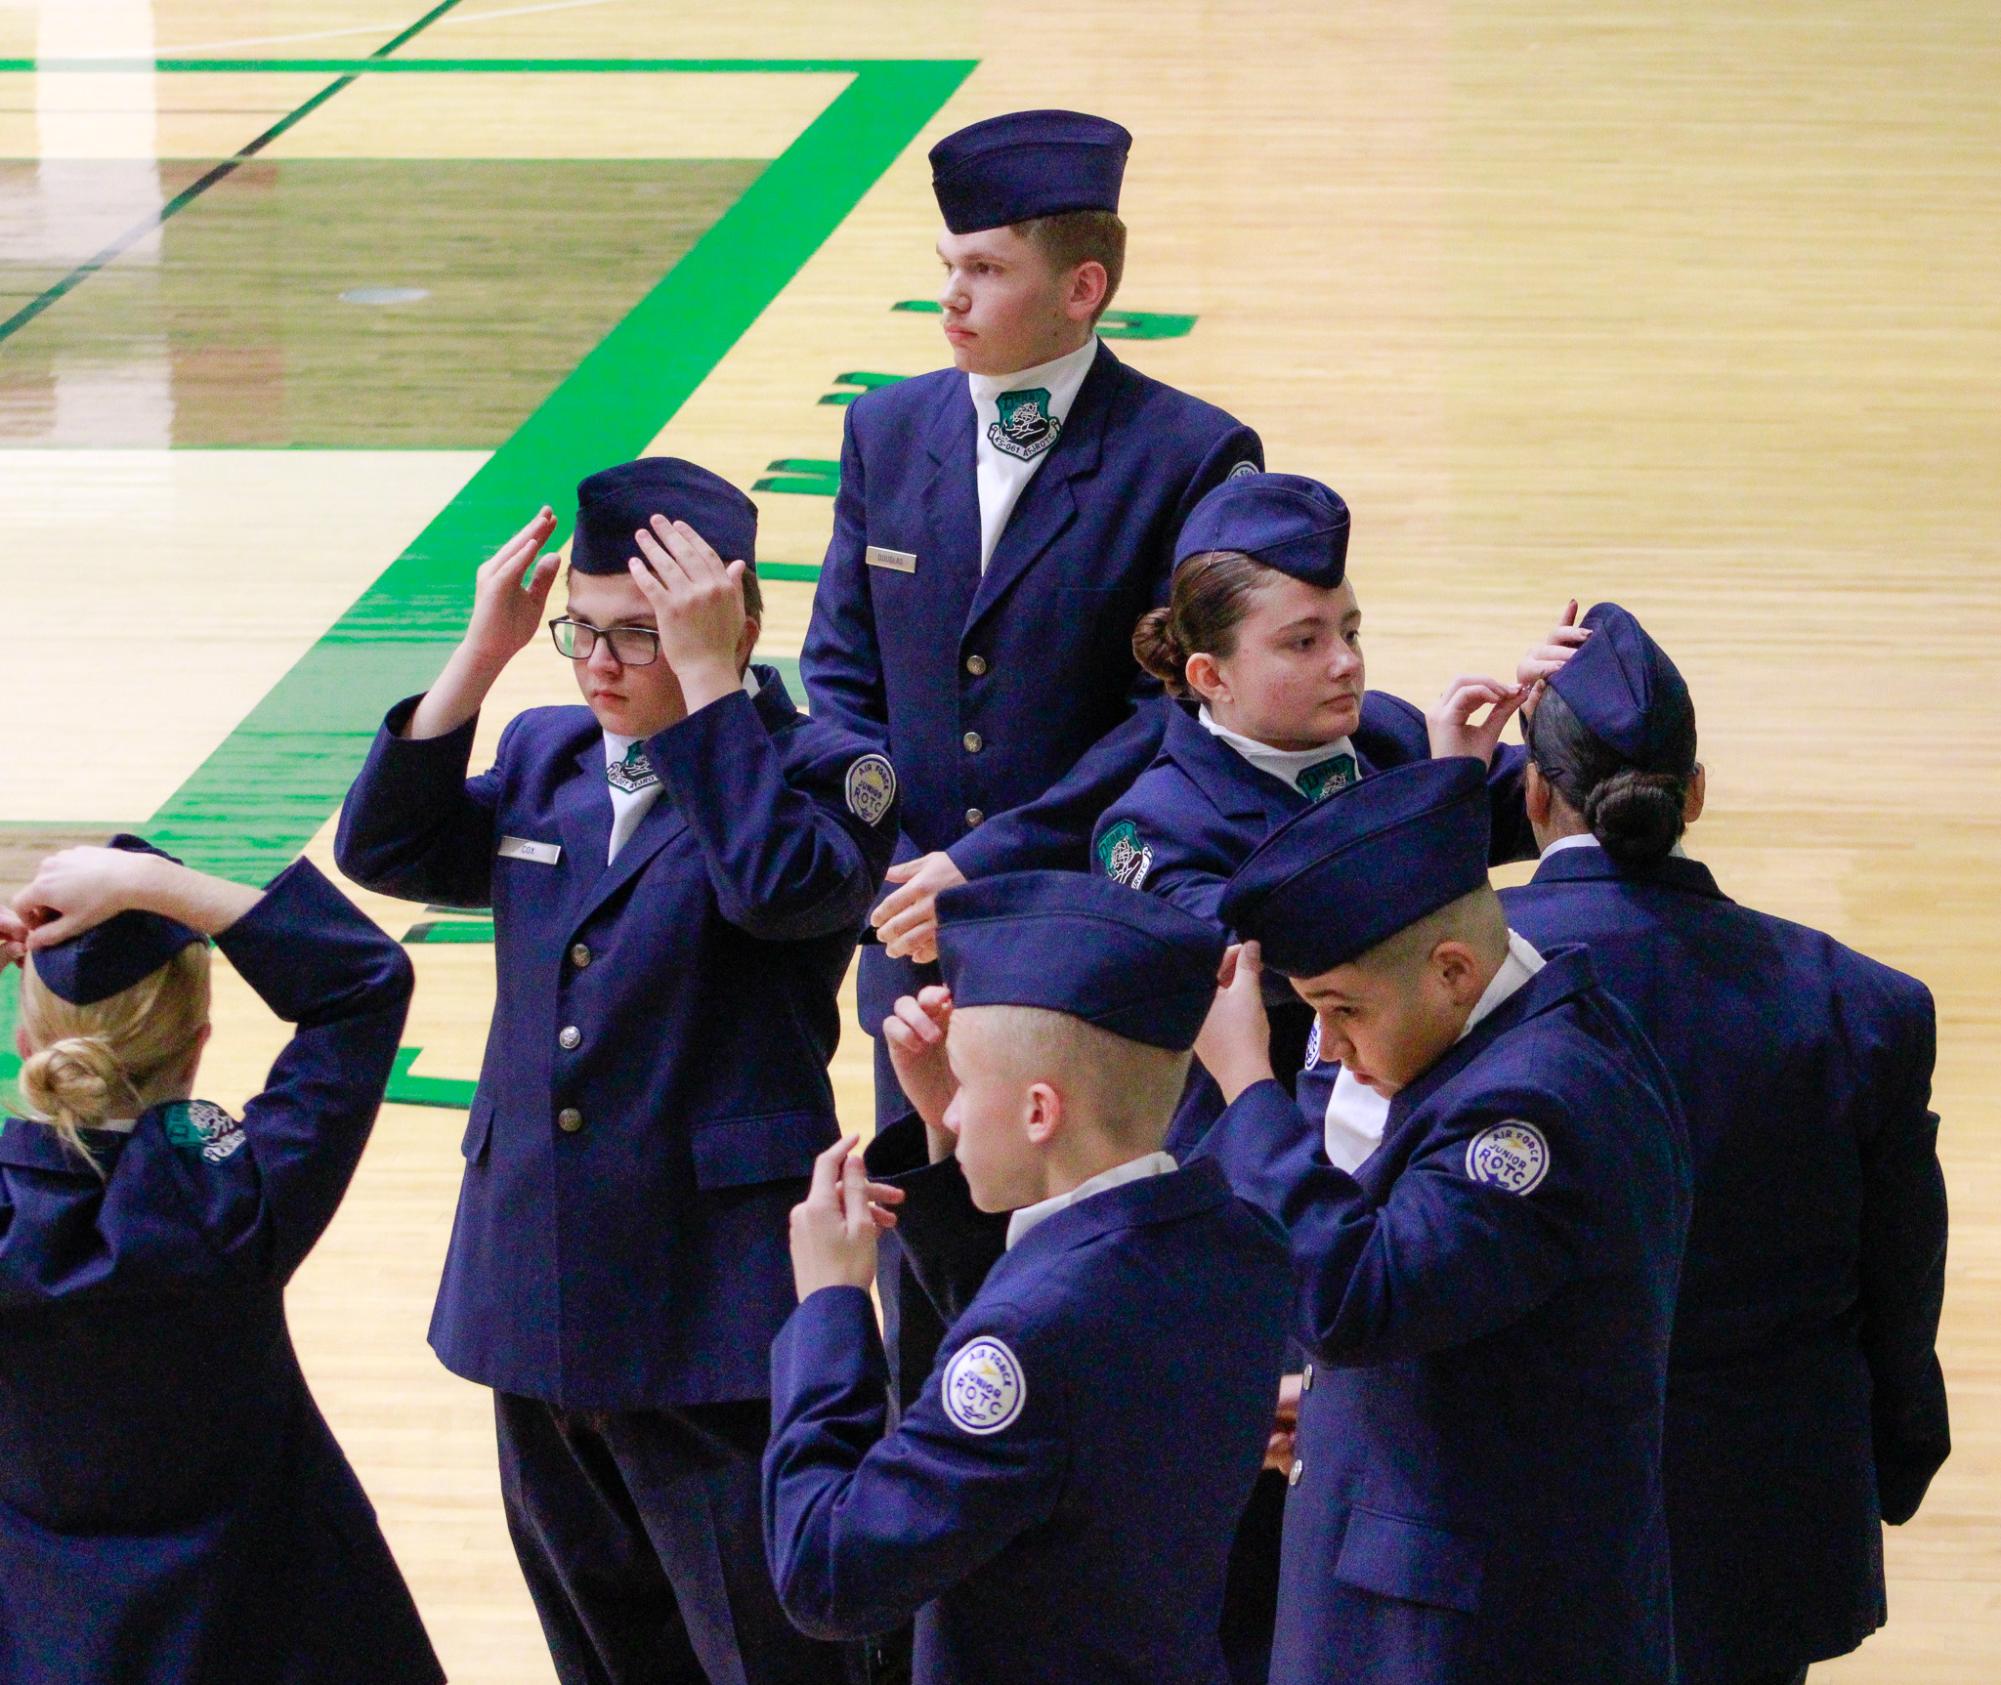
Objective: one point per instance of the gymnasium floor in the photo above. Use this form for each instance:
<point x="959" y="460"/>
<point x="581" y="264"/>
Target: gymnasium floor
<point x="304" y="304"/>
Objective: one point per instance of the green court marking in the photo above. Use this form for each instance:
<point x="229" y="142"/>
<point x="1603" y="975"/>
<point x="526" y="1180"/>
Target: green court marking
<point x="269" y="787"/>
<point x="408" y="1089"/>
<point x="260" y="797"/>
<point x="474" y="67"/>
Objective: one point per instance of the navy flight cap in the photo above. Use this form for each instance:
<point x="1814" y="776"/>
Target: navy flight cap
<point x="1028" y="164"/>
<point x="615" y="503"/>
<point x="1368" y="861"/>
<point x="1070" y="942"/>
<point x="1627" y="693"/>
<point x="110" y="957"/>
<point x="1286" y="521"/>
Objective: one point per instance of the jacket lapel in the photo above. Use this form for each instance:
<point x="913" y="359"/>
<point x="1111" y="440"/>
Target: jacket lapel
<point x="952" y="504"/>
<point x="1048" y="503"/>
<point x="1238" y="789"/>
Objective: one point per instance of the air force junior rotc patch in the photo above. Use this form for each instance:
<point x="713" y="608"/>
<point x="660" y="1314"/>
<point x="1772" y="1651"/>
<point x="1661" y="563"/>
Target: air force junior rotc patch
<point x="871" y="788"/>
<point x="1125" y="858"/>
<point x="1313" y="1043"/>
<point x="984" y="1389"/>
<point x="1243" y="470"/>
<point x="1512" y="1156"/>
<point x="201" y="1131"/>
<point x="1025" y="427"/>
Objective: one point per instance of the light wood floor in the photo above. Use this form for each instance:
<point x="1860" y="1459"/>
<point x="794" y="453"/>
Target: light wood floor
<point x="1690" y="306"/>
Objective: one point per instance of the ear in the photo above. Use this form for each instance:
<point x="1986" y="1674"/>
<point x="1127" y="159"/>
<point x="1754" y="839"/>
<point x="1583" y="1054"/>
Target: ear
<point x="1698" y="793"/>
<point x="1535" y="796"/>
<point x="1086" y="292"/>
<point x="746" y="641"/>
<point x="1457" y="969"/>
<point x="1205" y="678"/>
<point x="23" y="1048"/>
<point x="1045" y="1113"/>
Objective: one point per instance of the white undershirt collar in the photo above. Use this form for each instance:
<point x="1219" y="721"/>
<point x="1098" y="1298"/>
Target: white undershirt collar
<point x="1000" y="476"/>
<point x="1584" y="839"/>
<point x="1133" y="1170"/>
<point x="1283" y="764"/>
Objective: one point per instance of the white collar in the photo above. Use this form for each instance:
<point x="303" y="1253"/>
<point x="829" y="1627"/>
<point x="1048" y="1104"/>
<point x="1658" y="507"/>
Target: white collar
<point x="115" y="1125"/>
<point x="1584" y="839"/>
<point x="1522" y="963"/>
<point x="1283" y="764"/>
<point x="1060" y="377"/>
<point x="1133" y="1170"/>
<point x="615" y="746"/>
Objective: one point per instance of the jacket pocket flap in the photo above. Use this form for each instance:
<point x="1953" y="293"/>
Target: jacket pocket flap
<point x="1410" y="1560"/>
<point x="479" y="1127"/>
<point x="736" y="1152"/>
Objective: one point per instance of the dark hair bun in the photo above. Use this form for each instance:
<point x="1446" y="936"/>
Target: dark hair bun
<point x="1635" y="815"/>
<point x="1159" y="651"/>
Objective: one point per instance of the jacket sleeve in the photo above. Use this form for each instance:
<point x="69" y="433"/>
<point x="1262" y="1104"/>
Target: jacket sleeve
<point x="1903" y="1274"/>
<point x="841" y="661"/>
<point x="863" y="1530"/>
<point x="414" y="826"/>
<point x="1444" y="1260"/>
<point x="319" y="963"/>
<point x="788" y="857"/>
<point x="949" y="1244"/>
<point x="1055" y="829"/>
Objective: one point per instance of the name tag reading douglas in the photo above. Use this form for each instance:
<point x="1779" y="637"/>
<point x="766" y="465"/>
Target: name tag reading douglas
<point x="526" y="848"/>
<point x="897" y="561"/>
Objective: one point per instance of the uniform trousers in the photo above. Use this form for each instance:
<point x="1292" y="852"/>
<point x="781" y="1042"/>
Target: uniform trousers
<point x="640" y="1535"/>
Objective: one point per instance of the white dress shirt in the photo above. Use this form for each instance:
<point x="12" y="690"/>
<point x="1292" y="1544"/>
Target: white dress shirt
<point x="1283" y="764"/>
<point x="1000" y="474"/>
<point x="1133" y="1170"/>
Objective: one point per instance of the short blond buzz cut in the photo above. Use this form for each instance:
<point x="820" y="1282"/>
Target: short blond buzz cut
<point x="1125" y="1088"/>
<point x="1072" y="237"/>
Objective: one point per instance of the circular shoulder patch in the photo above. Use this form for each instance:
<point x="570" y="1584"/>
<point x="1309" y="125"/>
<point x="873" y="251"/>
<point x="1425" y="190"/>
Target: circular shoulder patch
<point x="1244" y="470"/>
<point x="871" y="788"/>
<point x="1313" y="1043"/>
<point x="984" y="1389"/>
<point x="1512" y="1156"/>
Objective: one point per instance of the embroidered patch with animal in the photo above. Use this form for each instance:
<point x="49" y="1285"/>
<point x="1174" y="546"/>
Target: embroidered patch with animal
<point x="633" y="773"/>
<point x="1125" y="858"/>
<point x="1512" y="1156"/>
<point x="984" y="1389"/>
<point x="871" y="787"/>
<point x="1323" y="779"/>
<point x="1025" y="427"/>
<point x="201" y="1131"/>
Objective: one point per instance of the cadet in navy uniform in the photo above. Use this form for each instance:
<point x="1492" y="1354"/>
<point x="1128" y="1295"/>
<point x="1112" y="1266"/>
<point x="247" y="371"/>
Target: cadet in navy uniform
<point x="677" y="874"/>
<point x="1805" y="1403"/>
<point x="1263" y="631"/>
<point x="1487" y="1297"/>
<point x="173" y="1508"/>
<point x="1058" y="1502"/>
<point x="1000" y="526"/>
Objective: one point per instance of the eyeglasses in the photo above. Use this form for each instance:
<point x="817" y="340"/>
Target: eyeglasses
<point x="631" y="646"/>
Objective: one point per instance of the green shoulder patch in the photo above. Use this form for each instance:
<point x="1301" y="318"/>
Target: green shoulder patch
<point x="1125" y="858"/>
<point x="202" y="1132"/>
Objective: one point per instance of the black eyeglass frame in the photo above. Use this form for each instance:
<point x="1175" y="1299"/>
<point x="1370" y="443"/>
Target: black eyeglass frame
<point x="586" y="635"/>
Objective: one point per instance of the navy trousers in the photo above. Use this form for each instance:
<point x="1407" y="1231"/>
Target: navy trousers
<point x="641" y="1538"/>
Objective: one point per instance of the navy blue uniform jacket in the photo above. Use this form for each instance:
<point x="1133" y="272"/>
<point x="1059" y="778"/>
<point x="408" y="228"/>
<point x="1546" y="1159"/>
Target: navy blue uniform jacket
<point x="173" y="1510"/>
<point x="1804" y="1396"/>
<point x="1078" y="1531"/>
<point x="1477" y="1495"/>
<point x="1200" y="809"/>
<point x="985" y="690"/>
<point x="621" y="1233"/>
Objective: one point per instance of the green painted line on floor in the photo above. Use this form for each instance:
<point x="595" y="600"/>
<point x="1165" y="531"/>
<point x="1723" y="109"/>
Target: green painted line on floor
<point x="258" y="799"/>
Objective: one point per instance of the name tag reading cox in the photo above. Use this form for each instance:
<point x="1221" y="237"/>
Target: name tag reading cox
<point x="526" y="848"/>
<point x="897" y="561"/>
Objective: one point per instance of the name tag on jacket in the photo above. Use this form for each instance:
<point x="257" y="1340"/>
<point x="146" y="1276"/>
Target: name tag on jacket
<point x="897" y="561"/>
<point x="526" y="848"/>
